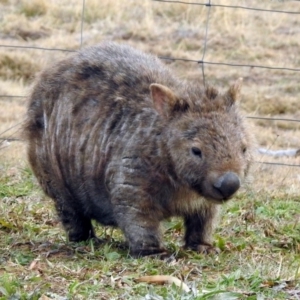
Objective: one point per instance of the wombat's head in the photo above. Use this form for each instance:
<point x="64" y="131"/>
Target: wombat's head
<point x="208" y="142"/>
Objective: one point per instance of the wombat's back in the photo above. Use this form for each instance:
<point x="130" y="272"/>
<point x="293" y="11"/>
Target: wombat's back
<point x="105" y="71"/>
<point x="98" y="82"/>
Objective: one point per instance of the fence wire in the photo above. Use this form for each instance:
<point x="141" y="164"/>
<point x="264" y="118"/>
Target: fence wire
<point x="202" y="62"/>
<point x="209" y="4"/>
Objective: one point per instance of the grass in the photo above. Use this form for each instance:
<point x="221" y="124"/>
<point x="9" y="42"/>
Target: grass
<point x="258" y="235"/>
<point x="259" y="231"/>
<point x="33" y="8"/>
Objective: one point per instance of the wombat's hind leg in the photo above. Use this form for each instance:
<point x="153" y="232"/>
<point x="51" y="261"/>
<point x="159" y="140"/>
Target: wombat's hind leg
<point x="199" y="227"/>
<point x="78" y="227"/>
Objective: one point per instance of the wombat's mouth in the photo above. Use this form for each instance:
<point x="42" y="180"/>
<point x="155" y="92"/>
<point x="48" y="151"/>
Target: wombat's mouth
<point x="211" y="194"/>
<point x="219" y="199"/>
<point x="219" y="189"/>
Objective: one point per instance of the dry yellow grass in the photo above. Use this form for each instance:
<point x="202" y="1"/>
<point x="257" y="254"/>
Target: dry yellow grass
<point x="167" y="29"/>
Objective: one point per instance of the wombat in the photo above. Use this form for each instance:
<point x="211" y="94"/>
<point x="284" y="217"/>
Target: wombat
<point x="114" y="136"/>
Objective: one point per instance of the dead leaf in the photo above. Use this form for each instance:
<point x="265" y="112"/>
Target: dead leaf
<point x="44" y="297"/>
<point x="34" y="264"/>
<point x="162" y="279"/>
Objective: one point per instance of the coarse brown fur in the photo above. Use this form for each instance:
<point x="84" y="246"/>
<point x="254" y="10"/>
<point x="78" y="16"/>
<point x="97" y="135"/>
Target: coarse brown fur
<point x="114" y="136"/>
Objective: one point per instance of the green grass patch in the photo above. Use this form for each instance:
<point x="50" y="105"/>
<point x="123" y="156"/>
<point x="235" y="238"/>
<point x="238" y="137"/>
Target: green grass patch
<point x="13" y="188"/>
<point x="258" y="236"/>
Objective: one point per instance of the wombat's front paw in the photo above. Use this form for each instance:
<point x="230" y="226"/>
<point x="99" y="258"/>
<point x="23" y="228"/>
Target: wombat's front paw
<point x="159" y="252"/>
<point x="165" y="256"/>
<point x="204" y="248"/>
<point x="208" y="249"/>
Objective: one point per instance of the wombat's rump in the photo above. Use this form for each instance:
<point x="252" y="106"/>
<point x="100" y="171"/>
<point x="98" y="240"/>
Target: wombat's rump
<point x="114" y="136"/>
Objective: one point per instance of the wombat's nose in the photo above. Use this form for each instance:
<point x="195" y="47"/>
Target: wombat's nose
<point x="227" y="184"/>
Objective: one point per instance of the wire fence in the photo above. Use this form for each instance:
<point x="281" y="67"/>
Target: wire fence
<point x="202" y="62"/>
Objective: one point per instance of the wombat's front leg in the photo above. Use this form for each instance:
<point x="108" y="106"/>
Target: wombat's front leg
<point x="199" y="228"/>
<point x="139" y="224"/>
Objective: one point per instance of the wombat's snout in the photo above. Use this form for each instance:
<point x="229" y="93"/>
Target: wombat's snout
<point x="227" y="184"/>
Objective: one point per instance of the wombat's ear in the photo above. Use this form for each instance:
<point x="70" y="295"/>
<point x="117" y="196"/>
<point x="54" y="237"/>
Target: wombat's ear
<point x="163" y="99"/>
<point x="211" y="93"/>
<point x="234" y="91"/>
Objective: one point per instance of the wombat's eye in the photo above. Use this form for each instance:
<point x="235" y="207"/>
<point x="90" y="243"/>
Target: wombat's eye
<point x="244" y="149"/>
<point x="196" y="151"/>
